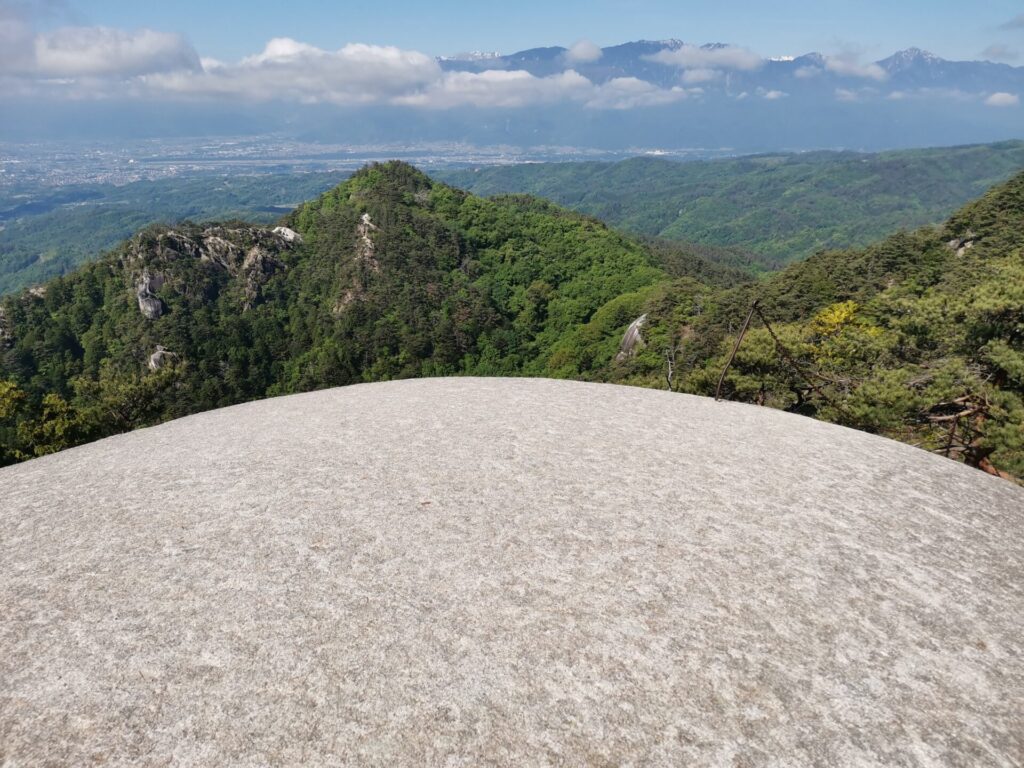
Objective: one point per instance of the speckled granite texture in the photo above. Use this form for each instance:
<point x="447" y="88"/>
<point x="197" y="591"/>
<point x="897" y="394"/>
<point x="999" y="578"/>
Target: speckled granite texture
<point x="472" y="572"/>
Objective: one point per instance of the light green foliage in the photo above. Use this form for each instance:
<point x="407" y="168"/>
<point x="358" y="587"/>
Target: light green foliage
<point x="58" y="426"/>
<point x="11" y="400"/>
<point x="775" y="208"/>
<point x="12" y="404"/>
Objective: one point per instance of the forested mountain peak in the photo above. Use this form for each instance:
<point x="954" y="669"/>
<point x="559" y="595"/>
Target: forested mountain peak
<point x="393" y="275"/>
<point x="372" y="189"/>
<point x="389" y="275"/>
<point x="394" y="175"/>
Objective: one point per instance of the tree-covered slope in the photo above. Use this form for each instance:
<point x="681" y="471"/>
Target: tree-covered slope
<point x="782" y="207"/>
<point x="396" y="276"/>
<point x="919" y="337"/>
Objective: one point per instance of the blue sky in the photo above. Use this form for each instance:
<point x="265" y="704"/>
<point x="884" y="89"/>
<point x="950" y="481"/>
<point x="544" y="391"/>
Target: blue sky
<point x="230" y="29"/>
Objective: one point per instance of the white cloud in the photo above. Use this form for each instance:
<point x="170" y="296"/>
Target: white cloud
<point x="83" y="52"/>
<point x="288" y="70"/>
<point x="584" y="52"/>
<point x="517" y="88"/>
<point x="16" y="38"/>
<point x="935" y="94"/>
<point x="864" y="93"/>
<point x="848" y="64"/>
<point x="101" y="51"/>
<point x="632" y="93"/>
<point x="498" y="88"/>
<point x="100" y="62"/>
<point x="282" y="49"/>
<point x="806" y="73"/>
<point x="210" y="64"/>
<point x="1002" y="99"/>
<point x="694" y="57"/>
<point x="692" y="76"/>
<point x="97" y="62"/>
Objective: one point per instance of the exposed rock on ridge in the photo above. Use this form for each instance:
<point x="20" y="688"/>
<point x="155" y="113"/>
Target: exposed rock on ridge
<point x="150" y="304"/>
<point x="632" y="341"/>
<point x="5" y="333"/>
<point x="160" y="358"/>
<point x="248" y="254"/>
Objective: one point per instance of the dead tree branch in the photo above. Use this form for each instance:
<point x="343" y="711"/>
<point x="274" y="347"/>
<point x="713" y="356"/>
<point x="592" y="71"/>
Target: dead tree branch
<point x="736" y="348"/>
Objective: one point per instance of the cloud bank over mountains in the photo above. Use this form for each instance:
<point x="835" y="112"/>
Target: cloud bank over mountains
<point x="100" y="62"/>
<point x="81" y="63"/>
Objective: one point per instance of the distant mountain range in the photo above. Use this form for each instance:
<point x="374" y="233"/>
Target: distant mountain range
<point x="640" y="95"/>
<point x="666" y="63"/>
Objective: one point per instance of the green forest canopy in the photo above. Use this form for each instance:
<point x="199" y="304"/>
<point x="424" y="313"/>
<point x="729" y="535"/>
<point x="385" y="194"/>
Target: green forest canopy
<point x="919" y="337"/>
<point x="780" y="207"/>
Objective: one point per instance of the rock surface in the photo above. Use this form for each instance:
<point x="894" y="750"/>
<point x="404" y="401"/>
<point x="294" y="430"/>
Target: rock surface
<point x="633" y="340"/>
<point x="160" y="357"/>
<point x="508" y="572"/>
<point x="288" y="235"/>
<point x="250" y="255"/>
<point x="150" y="305"/>
<point x="366" y="250"/>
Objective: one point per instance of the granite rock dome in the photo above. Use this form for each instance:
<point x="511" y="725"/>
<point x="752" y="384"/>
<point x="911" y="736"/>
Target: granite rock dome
<point x="508" y="572"/>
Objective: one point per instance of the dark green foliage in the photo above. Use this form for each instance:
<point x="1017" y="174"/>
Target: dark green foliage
<point x="723" y="267"/>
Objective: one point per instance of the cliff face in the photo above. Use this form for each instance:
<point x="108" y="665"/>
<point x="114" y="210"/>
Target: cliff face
<point x="506" y="570"/>
<point x="247" y="255"/>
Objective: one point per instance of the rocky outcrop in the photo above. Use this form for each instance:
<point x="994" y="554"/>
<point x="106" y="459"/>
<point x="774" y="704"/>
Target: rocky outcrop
<point x="150" y="305"/>
<point x="962" y="244"/>
<point x="160" y="358"/>
<point x="288" y="235"/>
<point x="632" y="341"/>
<point x="366" y="249"/>
<point x="366" y="258"/>
<point x="257" y="267"/>
<point x="525" y="571"/>
<point x="250" y="255"/>
<point x="5" y="332"/>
